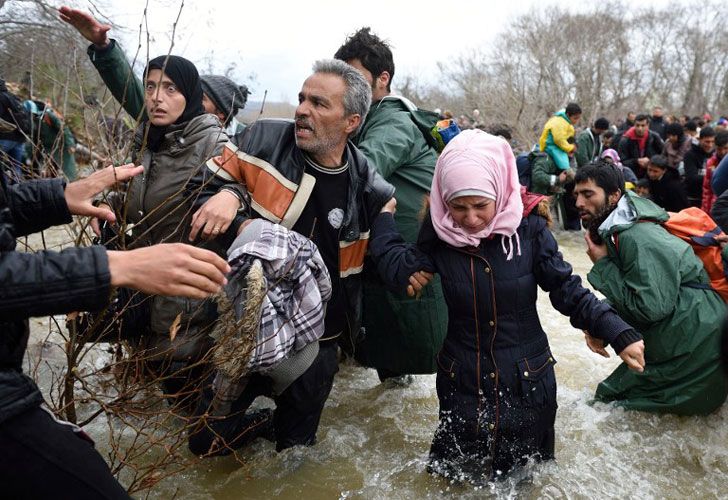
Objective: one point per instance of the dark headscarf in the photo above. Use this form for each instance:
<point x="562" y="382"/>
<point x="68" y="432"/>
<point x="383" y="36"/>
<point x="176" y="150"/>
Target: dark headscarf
<point x="184" y="75"/>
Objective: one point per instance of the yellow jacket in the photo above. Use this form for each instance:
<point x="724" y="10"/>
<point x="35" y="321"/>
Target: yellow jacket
<point x="557" y="131"/>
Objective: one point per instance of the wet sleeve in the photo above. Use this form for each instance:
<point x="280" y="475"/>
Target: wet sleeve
<point x="567" y="294"/>
<point x="646" y="284"/>
<point x="395" y="259"/>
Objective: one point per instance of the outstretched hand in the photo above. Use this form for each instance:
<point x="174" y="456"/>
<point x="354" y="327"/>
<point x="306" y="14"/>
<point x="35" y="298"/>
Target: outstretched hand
<point x="173" y="269"/>
<point x="87" y="25"/>
<point x="80" y="194"/>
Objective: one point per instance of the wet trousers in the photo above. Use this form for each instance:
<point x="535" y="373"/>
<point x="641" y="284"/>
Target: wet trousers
<point x="294" y="421"/>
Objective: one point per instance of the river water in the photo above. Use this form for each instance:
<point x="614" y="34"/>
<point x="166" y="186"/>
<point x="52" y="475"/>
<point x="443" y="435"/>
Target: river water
<point x="373" y="439"/>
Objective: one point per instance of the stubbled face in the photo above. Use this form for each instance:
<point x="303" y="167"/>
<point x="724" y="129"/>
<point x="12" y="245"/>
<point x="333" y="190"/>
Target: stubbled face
<point x="591" y="200"/>
<point x="707" y="144"/>
<point x="472" y="213"/>
<point x="654" y="172"/>
<point x="379" y="88"/>
<point x="164" y="102"/>
<point x="721" y="151"/>
<point x="640" y="128"/>
<point x="321" y="124"/>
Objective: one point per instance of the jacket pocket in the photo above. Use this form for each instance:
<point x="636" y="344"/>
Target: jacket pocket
<point x="448" y="376"/>
<point x="537" y="380"/>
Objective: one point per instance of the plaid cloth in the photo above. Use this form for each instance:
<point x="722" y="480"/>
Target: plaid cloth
<point x="298" y="287"/>
<point x="292" y="312"/>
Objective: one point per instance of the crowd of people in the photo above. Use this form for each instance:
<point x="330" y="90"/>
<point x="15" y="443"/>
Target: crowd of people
<point x="350" y="232"/>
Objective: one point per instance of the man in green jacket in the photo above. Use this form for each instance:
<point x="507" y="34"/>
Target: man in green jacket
<point x="589" y="142"/>
<point x="403" y="334"/>
<point x="656" y="283"/>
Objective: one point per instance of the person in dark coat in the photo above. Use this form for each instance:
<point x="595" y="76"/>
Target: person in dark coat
<point x="41" y="456"/>
<point x="665" y="190"/>
<point x="695" y="161"/>
<point x="638" y="145"/>
<point x="658" y="123"/>
<point x="495" y="381"/>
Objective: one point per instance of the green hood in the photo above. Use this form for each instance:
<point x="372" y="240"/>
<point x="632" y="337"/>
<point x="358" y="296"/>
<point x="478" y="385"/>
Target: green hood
<point x="631" y="209"/>
<point x="562" y="114"/>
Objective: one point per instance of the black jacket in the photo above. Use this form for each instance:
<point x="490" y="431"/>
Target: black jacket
<point x="657" y="125"/>
<point x="273" y="169"/>
<point x="38" y="284"/>
<point x="669" y="193"/>
<point x="495" y="369"/>
<point x="719" y="212"/>
<point x="694" y="162"/>
<point x="629" y="151"/>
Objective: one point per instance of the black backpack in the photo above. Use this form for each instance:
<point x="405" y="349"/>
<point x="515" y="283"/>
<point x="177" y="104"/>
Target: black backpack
<point x="12" y="110"/>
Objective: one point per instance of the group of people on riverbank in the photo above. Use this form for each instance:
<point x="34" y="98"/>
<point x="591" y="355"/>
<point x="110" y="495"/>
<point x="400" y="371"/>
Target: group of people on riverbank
<point x="330" y="252"/>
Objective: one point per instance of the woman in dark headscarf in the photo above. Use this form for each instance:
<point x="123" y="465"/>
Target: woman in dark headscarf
<point x="176" y="138"/>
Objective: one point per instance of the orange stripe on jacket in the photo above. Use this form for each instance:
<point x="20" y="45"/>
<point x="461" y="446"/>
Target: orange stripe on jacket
<point x="351" y="256"/>
<point x="263" y="186"/>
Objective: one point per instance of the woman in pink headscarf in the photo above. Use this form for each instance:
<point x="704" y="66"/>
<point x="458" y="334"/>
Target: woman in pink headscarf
<point x="484" y="236"/>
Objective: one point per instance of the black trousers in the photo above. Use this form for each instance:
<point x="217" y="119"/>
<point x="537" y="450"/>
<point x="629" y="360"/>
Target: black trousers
<point x="294" y="421"/>
<point x="43" y="458"/>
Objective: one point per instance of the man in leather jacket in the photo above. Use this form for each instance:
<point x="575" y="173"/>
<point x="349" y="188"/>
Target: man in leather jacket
<point x="307" y="176"/>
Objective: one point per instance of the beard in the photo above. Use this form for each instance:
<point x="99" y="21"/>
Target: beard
<point x="592" y="226"/>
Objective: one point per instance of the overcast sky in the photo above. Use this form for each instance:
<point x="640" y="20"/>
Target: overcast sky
<point x="278" y="41"/>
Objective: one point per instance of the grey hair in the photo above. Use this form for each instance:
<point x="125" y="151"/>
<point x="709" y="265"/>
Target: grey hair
<point x="358" y="95"/>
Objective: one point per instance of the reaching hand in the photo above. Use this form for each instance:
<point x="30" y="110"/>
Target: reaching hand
<point x="634" y="356"/>
<point x="173" y="269"/>
<point x="418" y="281"/>
<point x="215" y="216"/>
<point x="80" y="194"/>
<point x="87" y="25"/>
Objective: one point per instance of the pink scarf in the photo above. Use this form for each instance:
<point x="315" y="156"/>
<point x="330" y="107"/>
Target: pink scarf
<point x="475" y="160"/>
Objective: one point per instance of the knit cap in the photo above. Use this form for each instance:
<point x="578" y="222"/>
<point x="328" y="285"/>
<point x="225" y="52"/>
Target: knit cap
<point x="227" y="96"/>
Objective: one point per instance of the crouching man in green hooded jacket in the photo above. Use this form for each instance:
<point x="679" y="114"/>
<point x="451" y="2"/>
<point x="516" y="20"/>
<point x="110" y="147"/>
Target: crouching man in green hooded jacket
<point x="655" y="282"/>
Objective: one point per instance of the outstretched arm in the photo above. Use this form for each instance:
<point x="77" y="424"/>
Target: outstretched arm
<point x="571" y="298"/>
<point x="400" y="265"/>
<point x="109" y="60"/>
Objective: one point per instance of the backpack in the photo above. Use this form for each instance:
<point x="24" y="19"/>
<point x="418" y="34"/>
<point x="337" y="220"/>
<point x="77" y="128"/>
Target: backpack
<point x="697" y="228"/>
<point x="436" y="132"/>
